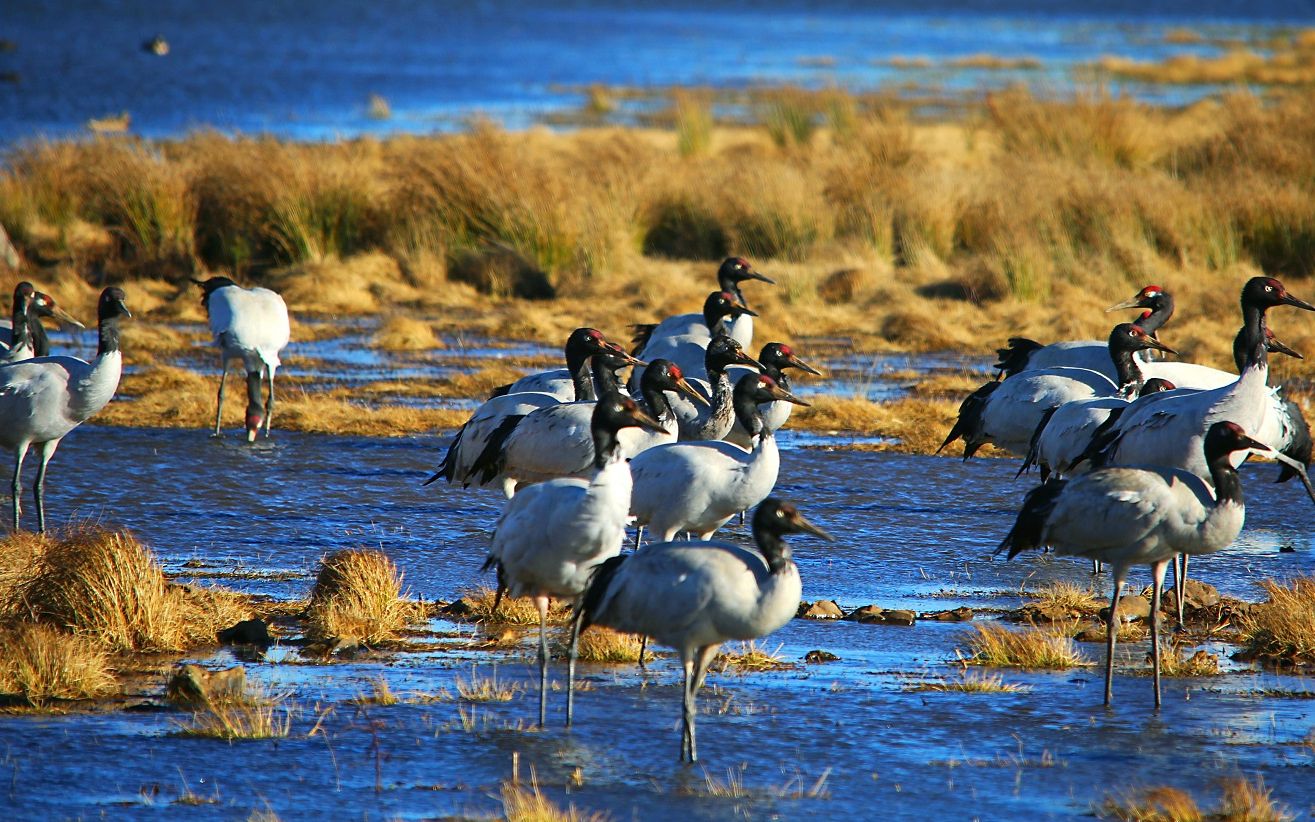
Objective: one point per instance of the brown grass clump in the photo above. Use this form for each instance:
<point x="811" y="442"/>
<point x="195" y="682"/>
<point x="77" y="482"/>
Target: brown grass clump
<point x="39" y="663"/>
<point x="997" y="645"/>
<point x="1067" y="596"/>
<point x="970" y="683"/>
<point x="599" y="643"/>
<point x="1242" y="801"/>
<point x="478" y="688"/>
<point x="402" y="333"/>
<point x="750" y="657"/>
<point x="1283" y="627"/>
<point x="358" y="596"/>
<point x="255" y="714"/>
<point x="107" y="586"/>
<point x="1175" y="661"/>
<point x="914" y="425"/>
<point x="521" y="611"/>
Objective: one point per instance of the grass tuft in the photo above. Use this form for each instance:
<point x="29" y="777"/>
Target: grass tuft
<point x="528" y="804"/>
<point x="479" y="688"/>
<point x="1068" y="597"/>
<point x="521" y="611"/>
<point x="39" y="663"/>
<point x="602" y="644"/>
<point x="1283" y="627"/>
<point x="358" y="596"/>
<point x="996" y="645"/>
<point x="1242" y="801"/>
<point x="970" y="683"/>
<point x="256" y="714"/>
<point x="750" y="657"/>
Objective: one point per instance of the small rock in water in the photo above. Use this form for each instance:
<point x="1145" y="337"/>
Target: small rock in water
<point x="868" y="613"/>
<point x="247" y="632"/>
<point x="194" y="685"/>
<point x="822" y="609"/>
<point x="1131" y="607"/>
<point x="1196" y="595"/>
<point x="819" y="656"/>
<point x="875" y="615"/>
<point x="960" y="614"/>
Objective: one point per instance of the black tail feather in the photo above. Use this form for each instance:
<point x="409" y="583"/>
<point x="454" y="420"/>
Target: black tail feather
<point x="593" y="595"/>
<point x="501" y="391"/>
<point x="1300" y="446"/>
<point x="448" y="466"/>
<point x="1014" y="356"/>
<point x="1103" y="438"/>
<point x="639" y="340"/>
<point x="1031" y="522"/>
<point x="493" y="459"/>
<point x="969" y="424"/>
<point x="1033" y="454"/>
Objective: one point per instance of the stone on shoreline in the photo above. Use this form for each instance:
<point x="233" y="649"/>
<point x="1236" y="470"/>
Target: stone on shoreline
<point x="247" y="632"/>
<point x="193" y="685"/>
<point x="876" y="615"/>
<point x="960" y="614"/>
<point x="822" y="609"/>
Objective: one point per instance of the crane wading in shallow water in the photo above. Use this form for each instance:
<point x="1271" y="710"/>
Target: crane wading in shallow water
<point x="693" y="596"/>
<point x="44" y="398"/>
<point x="250" y="324"/>
<point x="1142" y="516"/>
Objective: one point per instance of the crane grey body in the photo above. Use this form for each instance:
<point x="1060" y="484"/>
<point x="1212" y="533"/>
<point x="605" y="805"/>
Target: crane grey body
<point x="251" y="325"/>
<point x="714" y="417"/>
<point x="688" y="350"/>
<point x="44" y="398"/>
<point x="693" y="596"/>
<point x="775" y="359"/>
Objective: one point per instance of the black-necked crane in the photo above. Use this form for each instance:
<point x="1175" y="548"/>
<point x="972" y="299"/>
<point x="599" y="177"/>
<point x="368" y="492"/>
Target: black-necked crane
<point x="1008" y="412"/>
<point x="775" y="358"/>
<point x="688" y="350"/>
<point x="730" y="275"/>
<point x="568" y="384"/>
<point x="698" y="486"/>
<point x="714" y="418"/>
<point x="557" y="441"/>
<point x="251" y="325"/>
<point x="1142" y="516"/>
<point x="42" y="305"/>
<point x="552" y="536"/>
<point x="44" y="398"/>
<point x="693" y="596"/>
<point x="1023" y="354"/>
<point x="473" y="436"/>
<point x="20" y="345"/>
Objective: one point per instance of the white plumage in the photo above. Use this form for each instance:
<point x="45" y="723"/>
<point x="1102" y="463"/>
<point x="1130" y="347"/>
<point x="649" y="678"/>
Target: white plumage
<point x="775" y="358"/>
<point x="693" y="596"/>
<point x="687" y="350"/>
<point x="551" y="536"/>
<point x="698" y="486"/>
<point x="44" y="398"/>
<point x="251" y="325"/>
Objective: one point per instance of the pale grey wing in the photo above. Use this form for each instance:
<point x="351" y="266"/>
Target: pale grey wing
<point x="33" y="401"/>
<point x="1109" y="510"/>
<point x="556" y="381"/>
<point x="552" y="441"/>
<point x="663" y="590"/>
<point x="1187" y="375"/>
<point x="1089" y="354"/>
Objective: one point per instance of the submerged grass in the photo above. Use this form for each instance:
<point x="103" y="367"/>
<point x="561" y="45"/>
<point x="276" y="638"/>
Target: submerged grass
<point x="480" y="688"/>
<point x="750" y="657"/>
<point x="522" y="803"/>
<point x="255" y="714"/>
<point x="478" y="607"/>
<point x="971" y="682"/>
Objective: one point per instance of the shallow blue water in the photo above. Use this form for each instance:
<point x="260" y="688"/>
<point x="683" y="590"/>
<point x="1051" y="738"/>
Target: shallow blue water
<point x="912" y="532"/>
<point x="306" y="69"/>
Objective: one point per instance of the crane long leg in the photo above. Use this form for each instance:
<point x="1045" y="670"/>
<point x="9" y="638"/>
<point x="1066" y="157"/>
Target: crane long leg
<point x="702" y="660"/>
<point x="643" y="646"/>
<point x="39" y="486"/>
<point x="542" y="602"/>
<point x="1157" y="584"/>
<point x="219" y="406"/>
<point x="269" y="399"/>
<point x="17" y="487"/>
<point x="1095" y="567"/>
<point x="1180" y="584"/>
<point x="687" y="715"/>
<point x="1112" y="632"/>
<point x="570" y="663"/>
<point x="639" y="535"/>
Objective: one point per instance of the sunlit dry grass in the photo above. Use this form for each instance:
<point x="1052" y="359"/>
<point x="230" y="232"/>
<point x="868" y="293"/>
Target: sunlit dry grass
<point x="599" y="643"/>
<point x="358" y="596"/>
<point x="1242" y="800"/>
<point x="1283" y="627"/>
<point x="520" y="611"/>
<point x="526" y="803"/>
<point x="39" y="663"/>
<point x="402" y="333"/>
<point x="480" y="688"/>
<point x="257" y="714"/>
<point x="1067" y="596"/>
<point x="996" y="645"/>
<point x="750" y="657"/>
<point x="971" y="682"/>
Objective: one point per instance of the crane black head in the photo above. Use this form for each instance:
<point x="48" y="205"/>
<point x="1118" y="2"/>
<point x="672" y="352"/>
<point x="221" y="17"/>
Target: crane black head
<point x="724" y="351"/>
<point x="665" y="375"/>
<point x="1267" y="292"/>
<point x="735" y="270"/>
<point x="721" y="304"/>
<point x="112" y="304"/>
<point x="1131" y="337"/>
<point x="774" y="519"/>
<point x="780" y="356"/>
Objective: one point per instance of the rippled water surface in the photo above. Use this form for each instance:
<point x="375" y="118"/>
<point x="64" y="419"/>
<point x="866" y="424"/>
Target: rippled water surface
<point x="913" y="532"/>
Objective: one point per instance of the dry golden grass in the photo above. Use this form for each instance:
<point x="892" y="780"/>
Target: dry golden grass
<point x="480" y="688"/>
<point x="1242" y="800"/>
<point x="1175" y="661"/>
<point x="1045" y="648"/>
<point x="1067" y="596"/>
<point x="39" y="663"/>
<point x="380" y="693"/>
<point x="521" y="611"/>
<point x="358" y="597"/>
<point x="402" y="333"/>
<point x="1286" y="61"/>
<point x="599" y="643"/>
<point x="108" y="587"/>
<point x="750" y="657"/>
<point x="1283" y="627"/>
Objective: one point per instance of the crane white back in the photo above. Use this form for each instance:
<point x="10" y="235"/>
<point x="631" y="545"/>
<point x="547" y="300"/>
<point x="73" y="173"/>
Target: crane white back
<point x="251" y="325"/>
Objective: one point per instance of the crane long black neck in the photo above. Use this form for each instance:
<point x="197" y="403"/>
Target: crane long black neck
<point x="109" y="335"/>
<point x="1224" y="477"/>
<point x="605" y="445"/>
<point x="777" y="374"/>
<point x="577" y="364"/>
<point x="1253" y="331"/>
<point x="20" y="333"/>
<point x="1160" y="314"/>
<point x="716" y="322"/>
<point x="655" y="399"/>
<point x="37" y="334"/>
<point x="774" y="549"/>
<point x="746" y="411"/>
<point x="1125" y="366"/>
<point x="605" y="378"/>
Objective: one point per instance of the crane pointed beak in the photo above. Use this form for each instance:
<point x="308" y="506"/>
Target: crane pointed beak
<point x="64" y="317"/>
<point x="754" y="275"/>
<point x="1159" y="346"/>
<point x="1135" y="302"/>
<point x="807" y="527"/>
<point x="643" y="420"/>
<point x="1288" y="299"/>
<point x="1277" y="346"/>
<point x="745" y="359"/>
<point x="779" y="393"/>
<point x="802" y="366"/>
<point x="738" y="308"/>
<point x="688" y="389"/>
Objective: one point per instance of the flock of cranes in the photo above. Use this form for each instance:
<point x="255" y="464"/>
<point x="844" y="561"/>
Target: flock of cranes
<point x="1138" y="456"/>
<point x="1132" y="475"/>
